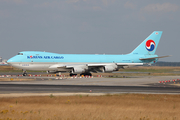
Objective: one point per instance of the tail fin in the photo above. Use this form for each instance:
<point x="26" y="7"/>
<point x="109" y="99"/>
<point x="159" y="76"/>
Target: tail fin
<point x="149" y="45"/>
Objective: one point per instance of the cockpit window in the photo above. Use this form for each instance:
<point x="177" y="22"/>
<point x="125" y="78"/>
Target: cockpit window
<point x="20" y="53"/>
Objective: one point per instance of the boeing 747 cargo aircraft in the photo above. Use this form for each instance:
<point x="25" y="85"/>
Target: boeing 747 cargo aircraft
<point x="85" y="64"/>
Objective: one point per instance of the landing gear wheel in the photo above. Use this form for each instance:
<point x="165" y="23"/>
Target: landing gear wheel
<point x="82" y="74"/>
<point x="24" y="74"/>
<point x="90" y="74"/>
<point x="86" y="74"/>
<point x="72" y="74"/>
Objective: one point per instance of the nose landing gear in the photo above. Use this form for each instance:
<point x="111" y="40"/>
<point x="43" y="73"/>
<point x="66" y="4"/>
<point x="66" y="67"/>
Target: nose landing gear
<point x="24" y="73"/>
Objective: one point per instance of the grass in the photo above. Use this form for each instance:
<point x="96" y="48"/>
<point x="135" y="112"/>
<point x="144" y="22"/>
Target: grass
<point x="16" y="79"/>
<point x="107" y="107"/>
<point x="152" y="69"/>
<point x="146" y="71"/>
<point x="12" y="69"/>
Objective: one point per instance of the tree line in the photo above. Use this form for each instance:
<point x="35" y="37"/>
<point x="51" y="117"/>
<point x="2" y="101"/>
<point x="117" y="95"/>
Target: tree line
<point x="161" y="63"/>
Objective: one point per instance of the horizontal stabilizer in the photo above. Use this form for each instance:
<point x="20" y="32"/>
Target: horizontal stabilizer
<point x="154" y="57"/>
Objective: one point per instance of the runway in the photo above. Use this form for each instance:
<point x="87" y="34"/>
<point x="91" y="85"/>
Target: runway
<point x="146" y="85"/>
<point x="32" y="88"/>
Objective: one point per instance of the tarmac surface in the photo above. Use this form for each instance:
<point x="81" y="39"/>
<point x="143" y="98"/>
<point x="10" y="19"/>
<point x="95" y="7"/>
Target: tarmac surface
<point x="59" y="85"/>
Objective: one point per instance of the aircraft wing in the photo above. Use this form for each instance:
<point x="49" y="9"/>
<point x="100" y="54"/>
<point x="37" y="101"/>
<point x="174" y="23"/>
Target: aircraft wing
<point x="66" y="65"/>
<point x="119" y="64"/>
<point x="95" y="65"/>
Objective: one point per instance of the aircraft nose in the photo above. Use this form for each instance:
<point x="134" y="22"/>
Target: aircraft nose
<point x="10" y="61"/>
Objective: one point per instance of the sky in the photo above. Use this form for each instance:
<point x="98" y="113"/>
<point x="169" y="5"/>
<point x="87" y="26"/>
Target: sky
<point x="88" y="26"/>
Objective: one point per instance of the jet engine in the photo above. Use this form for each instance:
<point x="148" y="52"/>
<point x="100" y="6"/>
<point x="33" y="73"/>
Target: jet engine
<point x="110" y="68"/>
<point x="51" y="72"/>
<point x="77" y="70"/>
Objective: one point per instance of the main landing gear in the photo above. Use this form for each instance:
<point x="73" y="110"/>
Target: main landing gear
<point x="82" y="74"/>
<point x="71" y="74"/>
<point x="86" y="74"/>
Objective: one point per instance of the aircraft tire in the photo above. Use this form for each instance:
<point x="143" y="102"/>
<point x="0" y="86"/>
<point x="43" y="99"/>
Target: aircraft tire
<point x="72" y="74"/>
<point x="24" y="74"/>
<point x="84" y="74"/>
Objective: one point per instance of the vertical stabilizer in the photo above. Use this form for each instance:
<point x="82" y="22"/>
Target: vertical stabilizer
<point x="149" y="45"/>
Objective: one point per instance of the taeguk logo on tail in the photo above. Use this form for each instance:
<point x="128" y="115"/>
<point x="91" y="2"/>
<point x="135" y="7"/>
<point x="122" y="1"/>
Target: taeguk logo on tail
<point x="150" y="45"/>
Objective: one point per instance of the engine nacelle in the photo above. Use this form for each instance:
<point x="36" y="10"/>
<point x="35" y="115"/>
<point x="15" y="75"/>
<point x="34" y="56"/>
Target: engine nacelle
<point x="110" y="68"/>
<point x="77" y="70"/>
<point x="51" y="71"/>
